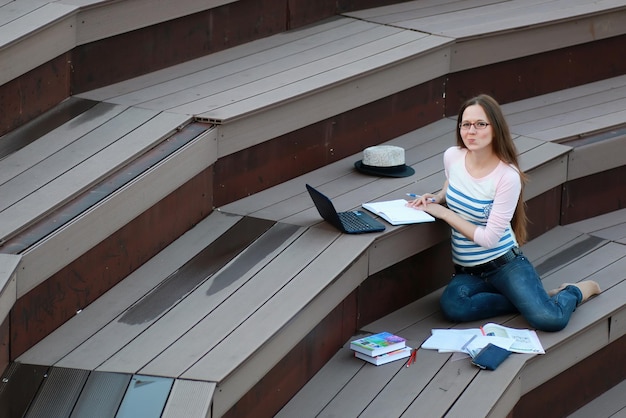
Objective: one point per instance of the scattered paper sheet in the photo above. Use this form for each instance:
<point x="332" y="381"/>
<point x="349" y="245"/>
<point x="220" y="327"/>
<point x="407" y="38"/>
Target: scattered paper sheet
<point x="458" y="340"/>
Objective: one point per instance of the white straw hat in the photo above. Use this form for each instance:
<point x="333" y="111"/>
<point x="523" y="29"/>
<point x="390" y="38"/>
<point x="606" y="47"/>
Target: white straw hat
<point x="384" y="160"/>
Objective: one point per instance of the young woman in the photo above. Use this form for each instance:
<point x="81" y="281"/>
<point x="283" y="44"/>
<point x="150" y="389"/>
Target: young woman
<point x="485" y="209"/>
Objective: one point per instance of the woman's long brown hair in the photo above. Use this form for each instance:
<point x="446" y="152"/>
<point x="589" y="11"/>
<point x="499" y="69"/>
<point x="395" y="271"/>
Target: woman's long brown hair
<point x="504" y="148"/>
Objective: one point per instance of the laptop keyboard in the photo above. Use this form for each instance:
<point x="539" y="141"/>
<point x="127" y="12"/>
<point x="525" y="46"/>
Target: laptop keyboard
<point x="353" y="222"/>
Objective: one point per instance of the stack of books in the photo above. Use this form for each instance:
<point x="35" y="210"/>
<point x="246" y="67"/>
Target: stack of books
<point x="380" y="348"/>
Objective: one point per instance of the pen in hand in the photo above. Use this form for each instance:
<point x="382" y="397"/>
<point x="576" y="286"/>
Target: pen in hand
<point x="417" y="196"/>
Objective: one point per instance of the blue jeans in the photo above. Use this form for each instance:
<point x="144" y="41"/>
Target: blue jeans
<point x="512" y="288"/>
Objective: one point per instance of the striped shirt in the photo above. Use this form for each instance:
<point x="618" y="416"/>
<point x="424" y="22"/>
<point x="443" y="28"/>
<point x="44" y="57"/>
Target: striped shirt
<point x="488" y="202"/>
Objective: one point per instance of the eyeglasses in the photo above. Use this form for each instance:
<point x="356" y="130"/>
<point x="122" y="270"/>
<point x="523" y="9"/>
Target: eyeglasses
<point x="478" y="125"/>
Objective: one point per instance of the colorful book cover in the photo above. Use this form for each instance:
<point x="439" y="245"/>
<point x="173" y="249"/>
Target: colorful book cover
<point x="377" y="344"/>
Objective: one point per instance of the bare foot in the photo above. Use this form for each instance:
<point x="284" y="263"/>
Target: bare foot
<point x="558" y="289"/>
<point x="587" y="287"/>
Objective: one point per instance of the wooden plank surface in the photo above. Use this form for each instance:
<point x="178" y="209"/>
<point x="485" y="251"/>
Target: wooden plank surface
<point x="197" y="71"/>
<point x="334" y="50"/>
<point x="323" y="386"/>
<point x="161" y="301"/>
<point x="8" y="283"/>
<point x="139" y="283"/>
<point x="466" y="19"/>
<point x="219" y="305"/>
<point x="90" y="159"/>
<point x="295" y="329"/>
<point x="572" y="255"/>
<point x="189" y="399"/>
<point x="55" y="141"/>
<point x="35" y="38"/>
<point x="66" y="244"/>
<point x="609" y="404"/>
<point x="600" y="223"/>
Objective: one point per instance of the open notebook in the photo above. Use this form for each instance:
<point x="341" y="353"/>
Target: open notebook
<point x="396" y="212"/>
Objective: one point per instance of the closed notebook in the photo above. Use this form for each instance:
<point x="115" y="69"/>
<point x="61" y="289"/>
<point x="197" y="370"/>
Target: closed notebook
<point x="490" y="357"/>
<point x="396" y="212"/>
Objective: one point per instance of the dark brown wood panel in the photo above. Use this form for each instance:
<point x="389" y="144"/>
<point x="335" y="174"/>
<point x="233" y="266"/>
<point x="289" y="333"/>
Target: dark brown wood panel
<point x="272" y="162"/>
<point x="54" y="301"/>
<point x="543" y="212"/>
<point x="404" y="282"/>
<point x="138" y="52"/>
<point x="5" y="335"/>
<point x="281" y="383"/>
<point x="20" y="383"/>
<point x="38" y="127"/>
<point x="34" y="93"/>
<point x="577" y="386"/>
<point x="593" y="195"/>
<point x="538" y="74"/>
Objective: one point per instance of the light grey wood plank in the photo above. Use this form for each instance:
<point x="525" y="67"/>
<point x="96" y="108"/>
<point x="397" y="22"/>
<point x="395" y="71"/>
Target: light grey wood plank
<point x="554" y="109"/>
<point x="394" y="398"/>
<point x="417" y="13"/>
<point x="55" y="142"/>
<point x="302" y="81"/>
<point x="64" y="245"/>
<point x="114" y="302"/>
<point x="315" y="71"/>
<point x="563" y="115"/>
<point x="74" y="152"/>
<point x="576" y="128"/>
<point x="292" y="313"/>
<point x="549" y="242"/>
<point x="221" y="323"/>
<point x="322" y="388"/>
<point x="544" y="177"/>
<point x="13" y="10"/>
<point x="106" y="350"/>
<point x="600" y="222"/>
<point x="609" y="404"/>
<point x="561" y="357"/>
<point x="102" y="19"/>
<point x="219" y="305"/>
<point x="594" y="158"/>
<point x="321" y="104"/>
<point x="528" y="108"/>
<point x="485" y="394"/>
<point x="590" y="266"/>
<point x="243" y="56"/>
<point x="24" y="49"/>
<point x="262" y="72"/>
<point x="83" y="167"/>
<point x="532" y="40"/>
<point x="617" y="325"/>
<point x="8" y="283"/>
<point x="506" y="16"/>
<point x="352" y="399"/>
<point x="542" y="154"/>
<point x="189" y="398"/>
<point x="443" y="390"/>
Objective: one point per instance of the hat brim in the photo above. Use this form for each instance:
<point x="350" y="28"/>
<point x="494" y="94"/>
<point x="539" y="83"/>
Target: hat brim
<point x="397" y="171"/>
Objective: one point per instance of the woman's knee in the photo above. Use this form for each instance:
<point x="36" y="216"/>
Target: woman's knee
<point x="452" y="305"/>
<point x="546" y="323"/>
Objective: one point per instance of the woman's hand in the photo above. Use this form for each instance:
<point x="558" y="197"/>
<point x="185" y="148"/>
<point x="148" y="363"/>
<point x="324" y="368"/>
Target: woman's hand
<point x="424" y="200"/>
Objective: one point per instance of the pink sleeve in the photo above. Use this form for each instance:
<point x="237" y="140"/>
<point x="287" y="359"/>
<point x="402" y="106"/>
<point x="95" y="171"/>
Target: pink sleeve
<point x="507" y="194"/>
